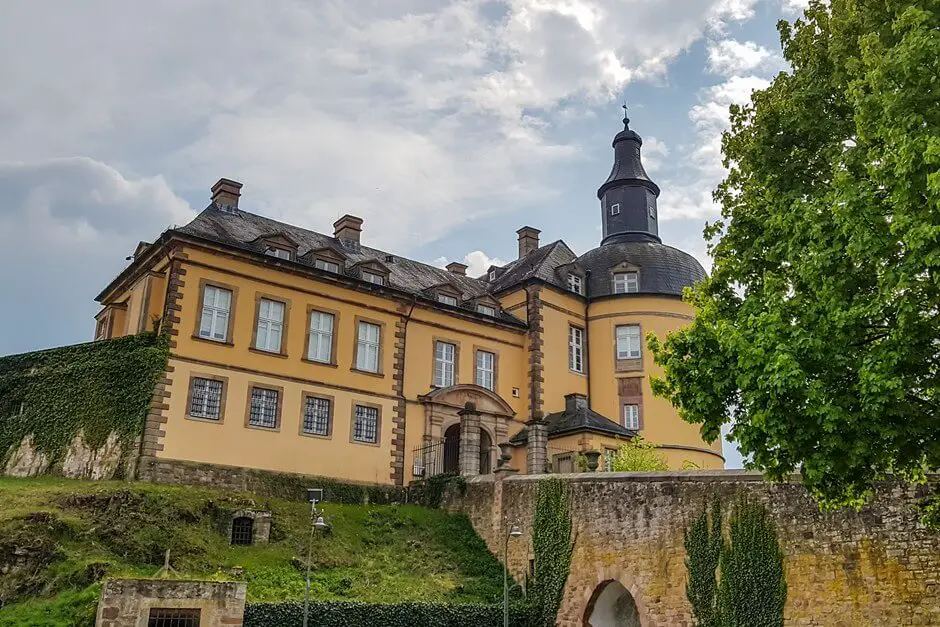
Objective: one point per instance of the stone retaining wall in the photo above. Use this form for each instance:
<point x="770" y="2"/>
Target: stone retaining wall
<point x="876" y="566"/>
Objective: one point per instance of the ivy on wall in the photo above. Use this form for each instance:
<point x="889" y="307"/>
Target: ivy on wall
<point x="552" y="546"/>
<point x="99" y="388"/>
<point x="353" y="614"/>
<point x="703" y="543"/>
<point x="752" y="589"/>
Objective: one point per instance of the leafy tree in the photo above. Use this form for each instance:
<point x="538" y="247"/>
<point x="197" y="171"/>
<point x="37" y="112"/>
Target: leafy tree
<point x="753" y="590"/>
<point x="638" y="455"/>
<point x="552" y="546"/>
<point x="817" y="336"/>
<point x="703" y="545"/>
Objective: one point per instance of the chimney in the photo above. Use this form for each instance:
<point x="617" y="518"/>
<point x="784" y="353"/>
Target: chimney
<point x="457" y="268"/>
<point x="225" y="193"/>
<point x="528" y="240"/>
<point x="347" y="229"/>
<point x="575" y="402"/>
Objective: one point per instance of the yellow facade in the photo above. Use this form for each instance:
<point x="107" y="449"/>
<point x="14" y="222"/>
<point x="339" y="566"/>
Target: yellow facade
<point x="527" y="358"/>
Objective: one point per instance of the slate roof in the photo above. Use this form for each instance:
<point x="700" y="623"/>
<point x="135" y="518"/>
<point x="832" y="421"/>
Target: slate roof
<point x="242" y="229"/>
<point x="540" y="264"/>
<point x="663" y="269"/>
<point x="574" y="420"/>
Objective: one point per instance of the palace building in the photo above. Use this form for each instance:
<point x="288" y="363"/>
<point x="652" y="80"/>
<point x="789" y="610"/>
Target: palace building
<point x="297" y="351"/>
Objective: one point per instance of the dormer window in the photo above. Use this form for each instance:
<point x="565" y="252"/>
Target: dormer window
<point x="575" y="284"/>
<point x="280" y="253"/>
<point x="626" y="282"/>
<point x="486" y="310"/>
<point x="329" y="266"/>
<point x="615" y="209"/>
<point x="447" y="300"/>
<point x="372" y="277"/>
<point x="492" y="275"/>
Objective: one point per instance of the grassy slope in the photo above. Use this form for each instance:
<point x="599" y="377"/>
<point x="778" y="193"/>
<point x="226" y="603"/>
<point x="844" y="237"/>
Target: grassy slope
<point x="60" y="538"/>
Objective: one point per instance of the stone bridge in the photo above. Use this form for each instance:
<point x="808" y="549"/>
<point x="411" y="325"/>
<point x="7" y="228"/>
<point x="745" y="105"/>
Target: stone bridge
<point x="876" y="566"/>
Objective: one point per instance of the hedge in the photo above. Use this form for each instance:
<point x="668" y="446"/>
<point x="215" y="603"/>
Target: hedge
<point x="294" y="488"/>
<point x="353" y="614"/>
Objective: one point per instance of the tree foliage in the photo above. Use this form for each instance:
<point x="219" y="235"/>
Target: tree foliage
<point x="703" y="545"/>
<point x="817" y="337"/>
<point x="753" y="591"/>
<point x="638" y="455"/>
<point x="552" y="546"/>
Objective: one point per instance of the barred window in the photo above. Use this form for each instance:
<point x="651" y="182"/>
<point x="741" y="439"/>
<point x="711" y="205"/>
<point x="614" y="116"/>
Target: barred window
<point x="317" y="416"/>
<point x="173" y="617"/>
<point x="263" y="408"/>
<point x="367" y="424"/>
<point x="243" y="530"/>
<point x="206" y="399"/>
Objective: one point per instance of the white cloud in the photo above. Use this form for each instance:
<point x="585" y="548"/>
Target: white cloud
<point x="729" y="57"/>
<point x="478" y="262"/>
<point x="794" y="6"/>
<point x="65" y="229"/>
<point x="410" y="114"/>
<point x="710" y="117"/>
<point x="654" y="151"/>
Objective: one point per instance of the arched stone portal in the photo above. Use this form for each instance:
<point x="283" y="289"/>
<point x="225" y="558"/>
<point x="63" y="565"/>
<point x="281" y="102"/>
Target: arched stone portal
<point x="490" y="417"/>
<point x="612" y="605"/>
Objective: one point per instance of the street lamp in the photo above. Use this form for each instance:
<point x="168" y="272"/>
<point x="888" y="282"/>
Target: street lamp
<point x="314" y="496"/>
<point x="513" y="532"/>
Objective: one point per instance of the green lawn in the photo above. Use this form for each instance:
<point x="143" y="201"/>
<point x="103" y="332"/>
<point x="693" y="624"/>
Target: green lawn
<point x="60" y="538"/>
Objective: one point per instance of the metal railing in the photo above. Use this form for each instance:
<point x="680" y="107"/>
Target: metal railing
<point x="436" y="458"/>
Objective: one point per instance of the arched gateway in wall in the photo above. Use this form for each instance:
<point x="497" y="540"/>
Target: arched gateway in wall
<point x="612" y="605"/>
<point x="442" y="410"/>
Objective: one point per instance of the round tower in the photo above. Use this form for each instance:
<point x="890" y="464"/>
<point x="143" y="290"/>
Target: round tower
<point x="634" y="285"/>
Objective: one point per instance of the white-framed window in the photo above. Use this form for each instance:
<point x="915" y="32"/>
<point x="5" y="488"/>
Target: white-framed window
<point x="615" y="209"/>
<point x="270" y="325"/>
<point x="575" y="284"/>
<point x="366" y="427"/>
<point x="317" y="415"/>
<point x="367" y="348"/>
<point x="263" y="408"/>
<point x="206" y="399"/>
<point x="492" y="275"/>
<point x="626" y="282"/>
<point x="320" y="346"/>
<point x="486" y="310"/>
<point x="447" y="300"/>
<point x="628" y="342"/>
<point x="445" y="355"/>
<point x="651" y="209"/>
<point x="372" y="277"/>
<point x="329" y="266"/>
<point x="631" y="417"/>
<point x="576" y="349"/>
<point x="274" y="251"/>
<point x="216" y="309"/>
<point x="486" y="370"/>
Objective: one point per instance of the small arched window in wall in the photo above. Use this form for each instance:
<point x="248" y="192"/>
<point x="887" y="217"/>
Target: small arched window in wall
<point x="242" y="529"/>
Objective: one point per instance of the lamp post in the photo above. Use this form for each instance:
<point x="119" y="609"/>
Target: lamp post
<point x="512" y="532"/>
<point x="314" y="496"/>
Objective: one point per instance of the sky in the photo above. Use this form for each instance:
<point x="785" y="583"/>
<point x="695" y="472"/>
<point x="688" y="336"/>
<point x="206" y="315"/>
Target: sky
<point x="445" y="125"/>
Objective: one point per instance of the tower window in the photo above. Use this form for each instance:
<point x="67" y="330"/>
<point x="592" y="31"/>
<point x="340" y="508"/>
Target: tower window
<point x="615" y="209"/>
<point x="626" y="282"/>
<point x="652" y="210"/>
<point x="574" y="284"/>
